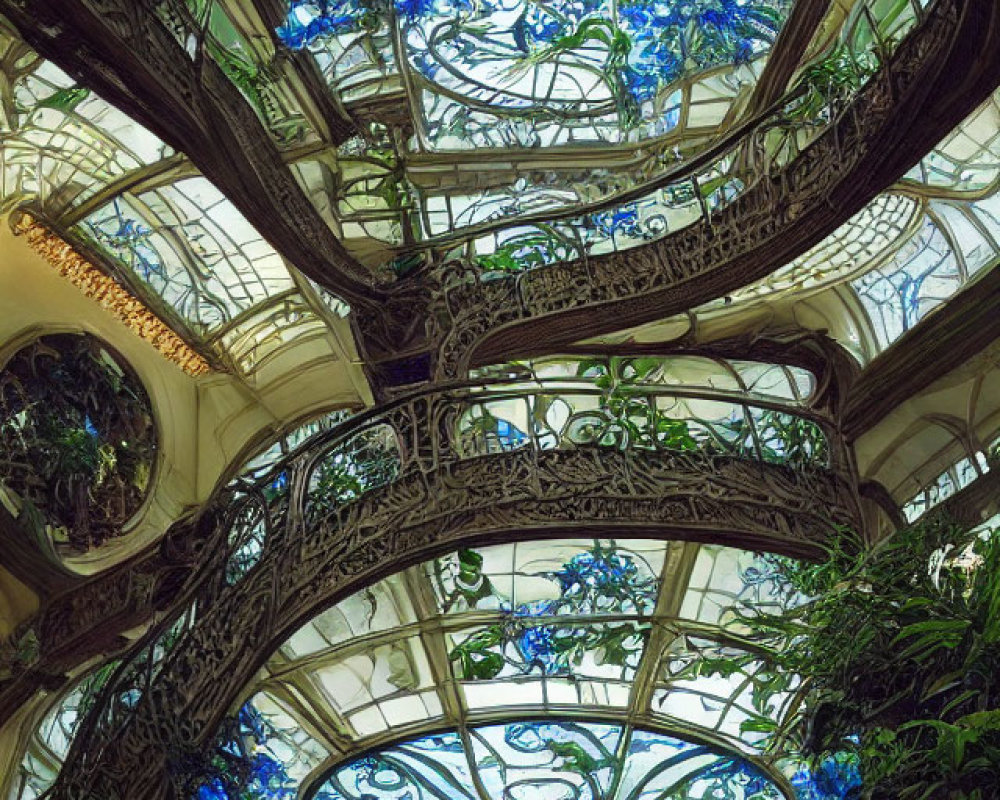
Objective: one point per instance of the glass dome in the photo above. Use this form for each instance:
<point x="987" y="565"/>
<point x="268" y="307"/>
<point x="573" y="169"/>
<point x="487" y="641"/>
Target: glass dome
<point x="512" y="73"/>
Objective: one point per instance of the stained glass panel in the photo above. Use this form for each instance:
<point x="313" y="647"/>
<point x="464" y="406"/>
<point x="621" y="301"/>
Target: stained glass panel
<point x="549" y="761"/>
<point x="506" y="73"/>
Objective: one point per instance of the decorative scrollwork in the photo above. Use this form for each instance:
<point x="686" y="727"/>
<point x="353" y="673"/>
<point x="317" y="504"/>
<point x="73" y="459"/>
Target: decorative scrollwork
<point x="445" y="469"/>
<point x="722" y="248"/>
<point x="103" y="290"/>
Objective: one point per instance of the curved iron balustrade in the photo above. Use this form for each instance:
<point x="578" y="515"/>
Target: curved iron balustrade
<point x="775" y="207"/>
<point x="425" y="474"/>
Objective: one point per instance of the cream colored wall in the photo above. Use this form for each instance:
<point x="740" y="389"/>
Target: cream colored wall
<point x="17" y="602"/>
<point x="832" y="309"/>
<point x="203" y="423"/>
<point x="913" y="444"/>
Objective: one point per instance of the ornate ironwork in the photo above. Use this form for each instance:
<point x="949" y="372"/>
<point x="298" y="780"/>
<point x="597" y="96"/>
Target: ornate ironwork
<point x="448" y="468"/>
<point x="782" y="207"/>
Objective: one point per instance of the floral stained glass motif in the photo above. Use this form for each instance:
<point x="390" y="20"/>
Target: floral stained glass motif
<point x="598" y="582"/>
<point x="249" y="761"/>
<point x="395" y="719"/>
<point x="574" y="626"/>
<point x="509" y="72"/>
<point x="192" y="248"/>
<point x="548" y="761"/>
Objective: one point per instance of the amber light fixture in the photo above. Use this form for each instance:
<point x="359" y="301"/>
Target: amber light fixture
<point x="109" y="295"/>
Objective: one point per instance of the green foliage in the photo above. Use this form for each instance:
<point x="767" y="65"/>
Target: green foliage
<point x="365" y="462"/>
<point x="537" y="247"/>
<point x="478" y="656"/>
<point x="577" y="760"/>
<point x="834" y="78"/>
<point x="64" y="99"/>
<point x="788" y="439"/>
<point x="597" y="578"/>
<point x="77" y="436"/>
<point x="899" y="650"/>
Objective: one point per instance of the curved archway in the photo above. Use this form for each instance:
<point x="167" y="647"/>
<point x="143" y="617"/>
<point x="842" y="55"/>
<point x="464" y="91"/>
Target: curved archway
<point x="79" y="436"/>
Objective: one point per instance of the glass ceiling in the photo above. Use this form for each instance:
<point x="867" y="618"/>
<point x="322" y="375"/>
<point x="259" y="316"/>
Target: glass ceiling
<point x="911" y="248"/>
<point x="519" y="74"/>
<point x="572" y="668"/>
<point x="581" y="628"/>
<point x="96" y="177"/>
<point x="547" y="761"/>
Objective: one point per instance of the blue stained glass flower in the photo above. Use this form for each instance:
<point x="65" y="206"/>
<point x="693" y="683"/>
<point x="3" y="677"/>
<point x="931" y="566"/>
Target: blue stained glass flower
<point x="536" y="608"/>
<point x="268" y="774"/>
<point x="309" y="20"/>
<point x="836" y="778"/>
<point x="622" y="221"/>
<point x="252" y="722"/>
<point x="594" y="569"/>
<point x="411" y="9"/>
<point x="215" y="790"/>
<point x="281" y="482"/>
<point x="669" y="37"/>
<point x="535" y="27"/>
<point x="537" y="645"/>
<point x="509" y="436"/>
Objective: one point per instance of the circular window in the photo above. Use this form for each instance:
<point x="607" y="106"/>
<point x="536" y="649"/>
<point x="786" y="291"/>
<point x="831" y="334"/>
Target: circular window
<point x="77" y="439"/>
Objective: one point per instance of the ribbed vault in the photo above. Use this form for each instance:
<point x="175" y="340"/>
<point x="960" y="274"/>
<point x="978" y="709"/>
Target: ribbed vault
<point x="622" y="341"/>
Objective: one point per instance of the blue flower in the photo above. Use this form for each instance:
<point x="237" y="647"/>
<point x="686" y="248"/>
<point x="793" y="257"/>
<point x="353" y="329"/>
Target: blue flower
<point x="411" y="9"/>
<point x="536" y="608"/>
<point x="215" y="790"/>
<point x="537" y="645"/>
<point x="252" y="722"/>
<point x="281" y="482"/>
<point x="836" y="778"/>
<point x="314" y="21"/>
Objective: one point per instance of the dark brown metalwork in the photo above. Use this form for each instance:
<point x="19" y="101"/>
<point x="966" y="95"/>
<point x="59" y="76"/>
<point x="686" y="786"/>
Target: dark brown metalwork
<point x="436" y="482"/>
<point x="942" y="71"/>
<point x="87" y="617"/>
<point x="122" y="50"/>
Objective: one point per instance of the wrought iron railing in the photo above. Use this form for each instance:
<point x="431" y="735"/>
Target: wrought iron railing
<point x="695" y="190"/>
<point x="274" y="521"/>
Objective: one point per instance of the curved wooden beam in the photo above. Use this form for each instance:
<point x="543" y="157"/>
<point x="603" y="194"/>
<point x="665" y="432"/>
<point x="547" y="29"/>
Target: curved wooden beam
<point x="309" y="566"/>
<point x="785" y="57"/>
<point x="124" y="52"/>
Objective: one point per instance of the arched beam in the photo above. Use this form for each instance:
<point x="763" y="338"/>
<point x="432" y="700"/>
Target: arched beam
<point x="942" y="71"/>
<point x="676" y="728"/>
<point x="122" y="50"/>
<point x="311" y="561"/>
